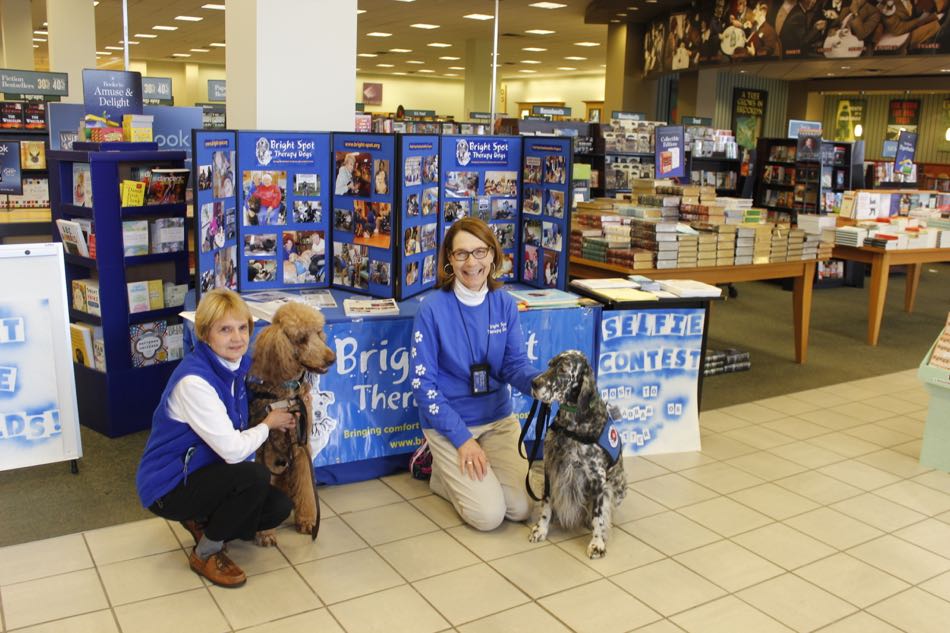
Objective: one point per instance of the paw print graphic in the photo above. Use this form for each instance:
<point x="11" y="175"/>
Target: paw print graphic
<point x="433" y="409"/>
<point x="432" y="393"/>
<point x="413" y="352"/>
<point x="420" y="370"/>
<point x="415" y="383"/>
<point x="418" y="336"/>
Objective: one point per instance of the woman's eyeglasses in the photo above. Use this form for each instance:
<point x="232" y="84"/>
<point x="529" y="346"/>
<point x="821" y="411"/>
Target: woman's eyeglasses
<point x="462" y="255"/>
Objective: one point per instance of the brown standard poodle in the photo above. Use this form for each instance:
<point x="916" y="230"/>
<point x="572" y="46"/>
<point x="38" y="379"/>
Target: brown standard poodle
<point x="285" y="352"/>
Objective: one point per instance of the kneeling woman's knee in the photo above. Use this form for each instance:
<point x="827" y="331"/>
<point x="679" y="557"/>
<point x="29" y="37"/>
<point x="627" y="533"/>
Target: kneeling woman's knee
<point x="485" y="517"/>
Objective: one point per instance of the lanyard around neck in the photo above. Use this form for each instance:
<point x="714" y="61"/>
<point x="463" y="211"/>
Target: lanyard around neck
<point x="468" y="339"/>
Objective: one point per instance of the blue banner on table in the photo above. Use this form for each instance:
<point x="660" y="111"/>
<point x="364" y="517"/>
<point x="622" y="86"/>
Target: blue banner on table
<point x="363" y="241"/>
<point x="283" y="203"/>
<point x="906" y="149"/>
<point x="481" y="178"/>
<point x="364" y="407"/>
<point x="545" y="211"/>
<point x="11" y="178"/>
<point x="215" y="202"/>
<point x="648" y="367"/>
<point x="418" y="206"/>
<point x="670" y="151"/>
<point x="111" y="93"/>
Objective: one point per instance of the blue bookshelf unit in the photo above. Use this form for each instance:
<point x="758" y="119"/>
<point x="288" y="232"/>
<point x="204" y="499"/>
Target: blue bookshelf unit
<point x="121" y="399"/>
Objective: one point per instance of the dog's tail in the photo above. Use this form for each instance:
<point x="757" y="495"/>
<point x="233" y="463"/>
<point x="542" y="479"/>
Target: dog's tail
<point x="316" y="524"/>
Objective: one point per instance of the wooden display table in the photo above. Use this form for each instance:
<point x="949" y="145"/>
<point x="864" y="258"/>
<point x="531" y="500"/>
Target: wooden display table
<point x="803" y="273"/>
<point x="881" y="261"/>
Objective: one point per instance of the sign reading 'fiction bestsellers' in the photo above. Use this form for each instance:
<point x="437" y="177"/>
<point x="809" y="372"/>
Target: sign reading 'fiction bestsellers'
<point x="111" y="94"/>
<point x="34" y="83"/>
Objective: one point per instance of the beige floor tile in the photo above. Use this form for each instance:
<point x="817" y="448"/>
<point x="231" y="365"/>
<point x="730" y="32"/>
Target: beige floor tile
<point x="833" y="528"/>
<point x="636" y="506"/>
<point x="725" y="516"/>
<point x="149" y="577"/>
<point x="507" y="539"/>
<point x="266" y="597"/>
<point x="753" y="412"/>
<point x="878" y="434"/>
<point x="254" y="559"/>
<point x="426" y="555"/>
<point x="52" y="598"/>
<point x="721" y="447"/>
<point x="660" y="626"/>
<point x="831" y="420"/>
<point x="784" y="546"/>
<point x="599" y="607"/>
<point x="759" y="437"/>
<point x="892" y="404"/>
<point x="787" y="405"/>
<point x="796" y="603"/>
<point x="916" y="496"/>
<point x="728" y="565"/>
<point x="727" y="615"/>
<point x="407" y="486"/>
<point x="860" y="622"/>
<point x="358" y="496"/>
<point x="544" y="571"/>
<point x="852" y="580"/>
<point x="920" y="415"/>
<point x="720" y="421"/>
<point x="637" y="468"/>
<point x="906" y="424"/>
<point x="862" y="411"/>
<point x="130" y="540"/>
<point x="349" y="575"/>
<point x="673" y="490"/>
<point x="389" y="523"/>
<point x="939" y="586"/>
<point x="438" y="510"/>
<point x="914" y="610"/>
<point x="856" y="396"/>
<point x="844" y="444"/>
<point x="930" y="534"/>
<point x="47" y="557"/>
<point x="936" y="479"/>
<point x="859" y="474"/>
<point x="317" y="621"/>
<point x="624" y="552"/>
<point x="452" y="593"/>
<point x="805" y="454"/>
<point x="894" y="463"/>
<point x="795" y="427"/>
<point x="817" y="487"/>
<point x="905" y="560"/>
<point x="877" y="511"/>
<point x="528" y="618"/>
<point x="190" y="611"/>
<point x="680" y="461"/>
<point x="765" y="465"/>
<point x="95" y="622"/>
<point x="721" y="477"/>
<point x="335" y="537"/>
<point x="670" y="532"/>
<point x="911" y="449"/>
<point x="668" y="587"/>
<point x="774" y="501"/>
<point x="397" y="610"/>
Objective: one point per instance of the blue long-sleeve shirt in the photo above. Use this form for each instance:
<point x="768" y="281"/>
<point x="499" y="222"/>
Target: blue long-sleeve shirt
<point x="448" y="338"/>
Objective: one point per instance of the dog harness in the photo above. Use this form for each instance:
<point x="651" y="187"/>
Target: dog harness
<point x="608" y="441"/>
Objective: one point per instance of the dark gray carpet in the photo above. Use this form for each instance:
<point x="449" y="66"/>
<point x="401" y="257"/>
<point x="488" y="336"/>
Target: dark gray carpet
<point x="47" y="501"/>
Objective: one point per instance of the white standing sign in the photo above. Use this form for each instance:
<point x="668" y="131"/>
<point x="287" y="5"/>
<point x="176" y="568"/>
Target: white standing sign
<point x="39" y="420"/>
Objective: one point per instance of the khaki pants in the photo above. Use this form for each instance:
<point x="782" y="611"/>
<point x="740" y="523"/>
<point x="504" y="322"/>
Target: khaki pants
<point x="501" y="494"/>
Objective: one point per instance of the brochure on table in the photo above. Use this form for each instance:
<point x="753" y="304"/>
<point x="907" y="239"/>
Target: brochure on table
<point x="545" y="211"/>
<point x="481" y="178"/>
<point x="418" y="213"/>
<point x="364" y="239"/>
<point x="283" y="204"/>
<point x="215" y="202"/>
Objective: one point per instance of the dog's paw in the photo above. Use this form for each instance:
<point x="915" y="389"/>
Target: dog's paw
<point x="596" y="549"/>
<point x="266" y="538"/>
<point x="538" y="534"/>
<point x="305" y="527"/>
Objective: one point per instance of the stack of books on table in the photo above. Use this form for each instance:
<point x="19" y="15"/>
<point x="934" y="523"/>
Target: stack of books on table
<point x="137" y="127"/>
<point x="687" y="250"/>
<point x="706" y="248"/>
<point x="883" y="240"/>
<point x="815" y="224"/>
<point x="745" y="245"/>
<point x="616" y="289"/>
<point x="689" y="288"/>
<point x="762" y="244"/>
<point x="850" y="236"/>
<point x="726" y="244"/>
<point x="726" y="361"/>
<point x="778" y="246"/>
<point x="544" y="298"/>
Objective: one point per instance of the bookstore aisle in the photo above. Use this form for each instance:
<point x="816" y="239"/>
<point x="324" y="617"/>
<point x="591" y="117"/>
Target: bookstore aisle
<point x="803" y="512"/>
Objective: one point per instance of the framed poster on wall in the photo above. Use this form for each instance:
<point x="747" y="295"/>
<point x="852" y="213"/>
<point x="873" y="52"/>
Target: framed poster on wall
<point x="902" y="114"/>
<point x="748" y="115"/>
<point x="849" y="117"/>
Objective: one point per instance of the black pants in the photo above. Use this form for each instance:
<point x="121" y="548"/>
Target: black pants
<point x="234" y="500"/>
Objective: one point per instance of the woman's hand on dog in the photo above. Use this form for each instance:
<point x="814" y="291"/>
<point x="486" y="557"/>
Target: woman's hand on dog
<point x="280" y="420"/>
<point x="472" y="460"/>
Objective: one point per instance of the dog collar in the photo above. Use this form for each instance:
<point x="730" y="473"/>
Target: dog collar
<point x="570" y="408"/>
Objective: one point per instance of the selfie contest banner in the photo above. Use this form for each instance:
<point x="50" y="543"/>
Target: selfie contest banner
<point x="364" y="407"/>
<point x="648" y="366"/>
<point x="215" y="200"/>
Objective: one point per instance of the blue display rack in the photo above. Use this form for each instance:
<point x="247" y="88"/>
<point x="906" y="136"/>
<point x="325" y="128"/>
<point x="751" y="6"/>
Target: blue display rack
<point x="122" y="400"/>
<point x="546" y="211"/>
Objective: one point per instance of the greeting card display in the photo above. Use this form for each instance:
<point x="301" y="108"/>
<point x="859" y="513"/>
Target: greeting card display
<point x="215" y="196"/>
<point x="363" y="221"/>
<point x="418" y="205"/>
<point x="481" y="178"/>
<point x="545" y="211"/>
<point x="283" y="205"/>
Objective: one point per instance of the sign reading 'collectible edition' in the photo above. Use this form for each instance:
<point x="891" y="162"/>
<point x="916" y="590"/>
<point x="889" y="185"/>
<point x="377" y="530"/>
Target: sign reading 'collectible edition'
<point x="670" y="154"/>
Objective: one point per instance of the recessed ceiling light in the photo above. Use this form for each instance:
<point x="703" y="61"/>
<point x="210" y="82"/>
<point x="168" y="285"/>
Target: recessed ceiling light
<point x="181" y="55"/>
<point x="199" y="50"/>
<point x="36" y="46"/>
<point x="534" y="49"/>
<point x="405" y="0"/>
<point x="478" y="16"/>
<point x="216" y="44"/>
<point x="39" y="39"/>
<point x="451" y="74"/>
<point x="114" y="48"/>
<point x="423" y="25"/>
<point x="378" y="34"/>
<point x="945" y="70"/>
<point x="540" y="32"/>
<point x="586" y="44"/>
<point x="216" y="7"/>
<point x="615" y="21"/>
<point x="575" y="58"/>
<point x="530" y="61"/>
<point x="366" y="55"/>
<point x="188" y="18"/>
<point x="160" y="27"/>
<point x="438" y="45"/>
<point x="449" y="58"/>
<point x="621" y="15"/>
<point x="102" y="53"/>
<point x="146" y="36"/>
<point x="414" y="61"/>
<point x="742" y="72"/>
<point x="830" y="74"/>
<point x="399" y="73"/>
<point x="40" y="32"/>
<point x="845" y="67"/>
<point x="456" y="67"/>
<point x="566" y="68"/>
<point x="400" y="50"/>
<point x="547" y="5"/>
<point x="360" y="11"/>
<point x="525" y="70"/>
<point x="426" y="70"/>
<point x="386" y="65"/>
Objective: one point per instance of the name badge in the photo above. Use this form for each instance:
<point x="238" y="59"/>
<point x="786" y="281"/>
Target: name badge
<point x="479" y="376"/>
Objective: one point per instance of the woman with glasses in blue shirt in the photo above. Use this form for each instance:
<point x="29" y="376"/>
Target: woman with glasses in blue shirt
<point x="467" y="348"/>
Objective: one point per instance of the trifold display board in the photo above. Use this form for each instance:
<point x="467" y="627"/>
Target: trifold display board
<point x="545" y="211"/>
<point x="215" y="203"/>
<point x="480" y="178"/>
<point x="418" y="204"/>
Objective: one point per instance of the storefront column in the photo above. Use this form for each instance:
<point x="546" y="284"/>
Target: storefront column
<point x="16" y="29"/>
<point x="72" y="41"/>
<point x="477" y="60"/>
<point x="291" y="65"/>
<point x="624" y="88"/>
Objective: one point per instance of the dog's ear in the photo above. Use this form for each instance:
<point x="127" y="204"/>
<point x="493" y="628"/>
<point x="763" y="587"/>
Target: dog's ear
<point x="588" y="390"/>
<point x="274" y="359"/>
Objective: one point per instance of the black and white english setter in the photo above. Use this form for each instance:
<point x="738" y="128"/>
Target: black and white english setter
<point x="582" y="467"/>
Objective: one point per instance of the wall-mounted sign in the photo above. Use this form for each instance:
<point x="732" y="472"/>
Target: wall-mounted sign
<point x="157" y="90"/>
<point x="797" y="127"/>
<point x="479" y="116"/>
<point x="551" y="110"/>
<point x="748" y="115"/>
<point x="372" y="93"/>
<point x="217" y="90"/>
<point x="34" y="83"/>
<point x="704" y="121"/>
<point x="849" y="114"/>
<point x="902" y="114"/>
<point x="111" y="93"/>
<point x="628" y="116"/>
<point x="419" y="113"/>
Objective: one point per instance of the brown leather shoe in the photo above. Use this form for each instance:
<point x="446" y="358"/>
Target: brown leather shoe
<point x="196" y="529"/>
<point x="218" y="568"/>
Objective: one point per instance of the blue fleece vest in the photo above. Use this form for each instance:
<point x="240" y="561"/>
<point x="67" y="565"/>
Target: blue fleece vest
<point x="173" y="448"/>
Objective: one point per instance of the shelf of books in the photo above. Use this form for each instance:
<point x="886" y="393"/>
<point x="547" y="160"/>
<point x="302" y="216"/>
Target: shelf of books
<point x="622" y="152"/>
<point x="121" y="218"/>
<point x="27" y="212"/>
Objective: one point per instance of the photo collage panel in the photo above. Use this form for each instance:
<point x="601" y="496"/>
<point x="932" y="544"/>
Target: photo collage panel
<point x="214" y="192"/>
<point x="420" y="223"/>
<point x="545" y="211"/>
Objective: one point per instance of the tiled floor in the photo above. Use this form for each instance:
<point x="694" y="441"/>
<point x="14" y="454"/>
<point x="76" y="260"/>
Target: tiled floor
<point x="803" y="512"/>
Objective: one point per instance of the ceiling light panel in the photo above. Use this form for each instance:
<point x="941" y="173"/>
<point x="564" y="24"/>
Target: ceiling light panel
<point x="438" y="45"/>
<point x="423" y="25"/>
<point x="379" y="34"/>
<point x="162" y="27"/>
<point x="215" y="7"/>
<point x="541" y="32"/>
<point x="188" y="18"/>
<point x="547" y="5"/>
<point x="479" y="16"/>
